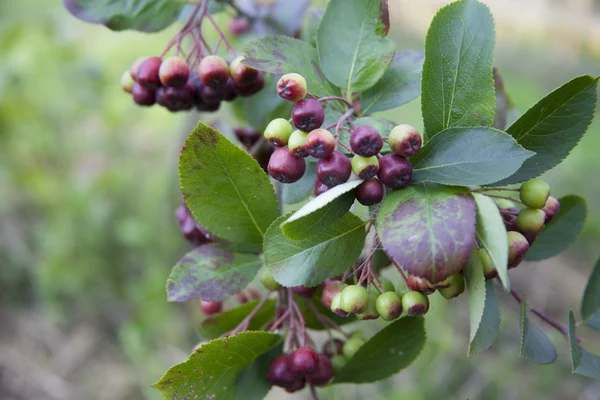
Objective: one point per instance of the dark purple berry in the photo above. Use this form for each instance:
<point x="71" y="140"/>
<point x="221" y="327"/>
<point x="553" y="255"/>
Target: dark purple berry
<point x="304" y="291"/>
<point x="133" y="70"/>
<point x="147" y="73"/>
<point x="229" y="93"/>
<point x="285" y="167"/>
<point x="369" y="192"/>
<point x="304" y="361"/>
<point x="281" y="373"/>
<point x="212" y="96"/>
<point x="323" y="373"/>
<point x="308" y="115"/>
<point x="405" y="140"/>
<point x="366" y="141"/>
<point x="142" y="95"/>
<point x="213" y="71"/>
<point x="177" y="98"/>
<point x="394" y="171"/>
<point x="320" y="187"/>
<point x="248" y="136"/>
<point x="251" y="89"/>
<point x="174" y="72"/>
<point x="320" y="143"/>
<point x="242" y="75"/>
<point x="297" y="386"/>
<point x="334" y="170"/>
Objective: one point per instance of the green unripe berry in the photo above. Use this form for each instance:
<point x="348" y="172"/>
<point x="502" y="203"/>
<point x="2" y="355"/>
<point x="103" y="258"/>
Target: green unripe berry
<point x="504" y="203"/>
<point x="359" y="335"/>
<point x="371" y="307"/>
<point x="531" y="221"/>
<point x="127" y="82"/>
<point x="354" y="299"/>
<point x="351" y="347"/>
<point x="386" y="284"/>
<point x="337" y="362"/>
<point x="365" y="167"/>
<point x="534" y="193"/>
<point x="267" y="280"/>
<point x="457" y="286"/>
<point x="297" y="143"/>
<point x="389" y="306"/>
<point x="517" y="248"/>
<point x="336" y="305"/>
<point x="489" y="270"/>
<point x="405" y="140"/>
<point x="278" y="132"/>
<point x="415" y="303"/>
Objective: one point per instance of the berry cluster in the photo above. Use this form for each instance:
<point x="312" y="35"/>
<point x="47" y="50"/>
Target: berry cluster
<point x="304" y="365"/>
<point x="288" y="165"/>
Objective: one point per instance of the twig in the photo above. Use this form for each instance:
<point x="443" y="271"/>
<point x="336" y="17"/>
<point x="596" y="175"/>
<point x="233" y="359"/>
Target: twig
<point x="301" y="322"/>
<point x="327" y="320"/>
<point x="401" y="273"/>
<point x="496" y="189"/>
<point x="313" y="392"/>
<point x="278" y="322"/>
<point x="332" y="98"/>
<point x="222" y="35"/>
<point x="244" y="324"/>
<point x="503" y="197"/>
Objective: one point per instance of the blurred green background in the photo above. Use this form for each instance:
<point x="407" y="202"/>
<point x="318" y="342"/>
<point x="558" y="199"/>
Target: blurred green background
<point x="88" y="186"/>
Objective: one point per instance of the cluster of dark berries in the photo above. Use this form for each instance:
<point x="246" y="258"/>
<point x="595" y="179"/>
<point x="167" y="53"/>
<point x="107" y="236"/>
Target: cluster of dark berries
<point x="172" y="84"/>
<point x="303" y="365"/>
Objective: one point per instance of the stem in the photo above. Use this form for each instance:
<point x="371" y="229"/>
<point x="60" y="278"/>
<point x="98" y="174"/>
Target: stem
<point x="327" y="320"/>
<point x="293" y="339"/>
<point x="401" y="273"/>
<point x="333" y="98"/>
<point x="497" y="189"/>
<point x="222" y="35"/>
<point x="202" y="6"/>
<point x="244" y="324"/>
<point x="301" y="322"/>
<point x="279" y="321"/>
<point x="313" y="392"/>
<point x="504" y="197"/>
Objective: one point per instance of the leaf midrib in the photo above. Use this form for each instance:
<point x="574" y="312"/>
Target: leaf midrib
<point x="353" y="65"/>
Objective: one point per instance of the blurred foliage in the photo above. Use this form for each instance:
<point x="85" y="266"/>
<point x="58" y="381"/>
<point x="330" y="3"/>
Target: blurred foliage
<point x="89" y="186"/>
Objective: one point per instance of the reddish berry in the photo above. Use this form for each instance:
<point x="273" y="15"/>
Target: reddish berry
<point x="369" y="192"/>
<point x="304" y="291"/>
<point x="419" y="284"/>
<point x="252" y="88"/>
<point x="366" y="141"/>
<point x="242" y="75"/>
<point x="330" y="290"/>
<point x="517" y="248"/>
<point x="395" y="171"/>
<point x="133" y="70"/>
<point x="142" y="95"/>
<point x="281" y="373"/>
<point x="285" y="167"/>
<point x="405" y="140"/>
<point x="211" y="307"/>
<point x="174" y="72"/>
<point x="334" y="170"/>
<point x="323" y="373"/>
<point x="320" y="187"/>
<point x="308" y="115"/>
<point x="297" y="386"/>
<point x="304" y="361"/>
<point x="320" y="143"/>
<point x="291" y="87"/>
<point x="213" y="71"/>
<point x="239" y="25"/>
<point x="147" y="73"/>
<point x="551" y="208"/>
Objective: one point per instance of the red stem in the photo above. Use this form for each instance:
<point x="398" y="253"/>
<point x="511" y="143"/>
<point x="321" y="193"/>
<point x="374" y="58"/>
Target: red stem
<point x="244" y="324"/>
<point x="332" y="98"/>
<point x="222" y="35"/>
<point x="279" y="321"/>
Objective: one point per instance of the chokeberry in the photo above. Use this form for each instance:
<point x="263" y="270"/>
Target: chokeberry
<point x="323" y="373"/>
<point x="333" y="347"/>
<point x="213" y="71"/>
<point x="320" y="143"/>
<point x="304" y="360"/>
<point x="278" y="132"/>
<point x="517" y="248"/>
<point x="337" y="362"/>
<point x="147" y="73"/>
<point x="509" y="216"/>
<point x="176" y="98"/>
<point x="389" y="306"/>
<point x="267" y="280"/>
<point x="297" y="386"/>
<point x="351" y="346"/>
<point x="531" y="221"/>
<point x="354" y="299"/>
<point x="419" y="284"/>
<point x="365" y="167"/>
<point x="142" y="95"/>
<point x="534" y="193"/>
<point x="242" y="75"/>
<point x="330" y="290"/>
<point x="286" y="167"/>
<point x="292" y="87"/>
<point x="551" y="208"/>
<point x="457" y="286"/>
<point x="297" y="143"/>
<point x="395" y="171"/>
<point x="320" y="187"/>
<point x="229" y="92"/>
<point x="133" y="70"/>
<point x="252" y="88"/>
<point x="489" y="270"/>
<point x="366" y="141"/>
<point x="334" y="170"/>
<point x="308" y="115"/>
<point x="415" y="303"/>
<point x="336" y="305"/>
<point x="247" y="135"/>
<point x="370" y="311"/>
<point x="239" y="25"/>
<point x="213" y="96"/>
<point x="304" y="291"/>
<point x="173" y="72"/>
<point x="369" y="192"/>
<point x="281" y="373"/>
<point x="405" y="140"/>
<point x="127" y="82"/>
<point x="211" y="307"/>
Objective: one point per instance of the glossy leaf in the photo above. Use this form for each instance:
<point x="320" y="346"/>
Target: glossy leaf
<point x="310" y="261"/>
<point x="428" y="229"/>
<point x="311" y="25"/>
<point x="321" y="212"/>
<point x="476" y="291"/>
<point x="583" y="362"/>
<point x="392" y="349"/>
<point x="468" y="156"/>
<point x="400" y="84"/>
<point x="225" y="188"/>
<point x="141" y="15"/>
<point x="554" y="126"/>
<point x="457" y="85"/>
<point x="351" y="41"/>
<point x="214" y="370"/>
<point x="535" y="345"/>
<point x="211" y="272"/>
<point x="281" y="55"/>
<point x="491" y="234"/>
<point x="218" y="324"/>
<point x="292" y="193"/>
<point x="562" y="231"/>
<point x="590" y="304"/>
<point x="489" y="327"/>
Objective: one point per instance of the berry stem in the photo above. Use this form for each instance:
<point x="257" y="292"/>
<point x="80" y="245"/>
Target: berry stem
<point x="496" y="189"/>
<point x="301" y="322"/>
<point x="313" y="392"/>
<point x="189" y="26"/>
<point x="332" y="98"/>
<point x="222" y="35"/>
<point x="508" y="212"/>
<point x="244" y="324"/>
<point x="504" y="197"/>
<point x="401" y="273"/>
<point x="279" y="321"/>
<point x="326" y="320"/>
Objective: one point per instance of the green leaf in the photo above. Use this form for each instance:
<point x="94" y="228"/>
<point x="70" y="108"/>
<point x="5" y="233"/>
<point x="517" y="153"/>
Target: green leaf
<point x="584" y="363"/>
<point x="351" y="41"/>
<point x="215" y="370"/>
<point x="392" y="349"/>
<point x="562" y="231"/>
<point x="141" y="15"/>
<point x="468" y="156"/>
<point x="428" y="229"/>
<point x="476" y="291"/>
<point x="491" y="234"/>
<point x="554" y="126"/>
<point x="321" y="212"/>
<point x="225" y="188"/>
<point x="292" y="193"/>
<point x="310" y="261"/>
<point x="212" y="273"/>
<point x="490" y="322"/>
<point x="311" y="25"/>
<point x="218" y="324"/>
<point x="457" y="84"/>
<point x="281" y="55"/>
<point x="535" y="345"/>
<point x="252" y="383"/>
<point x="590" y="304"/>
<point x="400" y="84"/>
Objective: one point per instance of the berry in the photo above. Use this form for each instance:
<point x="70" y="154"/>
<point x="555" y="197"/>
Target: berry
<point x="365" y="167"/>
<point x="510" y="218"/>
<point x="247" y="136"/>
<point x="133" y="70"/>
<point x="239" y="25"/>
<point x="304" y="291"/>
<point x="285" y="167"/>
<point x="534" y="193"/>
<point x="351" y="346"/>
<point x="366" y="141"/>
<point x="354" y="299"/>
<point x="304" y="360"/>
<point x="517" y="248"/>
<point x="338" y="362"/>
<point x="405" y="140"/>
<point x="551" y="208"/>
<point x="336" y="305"/>
<point x="330" y="290"/>
<point x="127" y="82"/>
<point x="371" y="307"/>
<point x="369" y="192"/>
<point x="386" y="284"/>
<point x="320" y="143"/>
<point x="242" y="75"/>
<point x="297" y="143"/>
<point x="323" y="373"/>
<point x="267" y="280"/>
<point x="308" y="115"/>
<point x="173" y="72"/>
<point x="394" y="171"/>
<point x="415" y="303"/>
<point x="211" y="307"/>
<point x="457" y="286"/>
<point x="142" y="95"/>
<point x="147" y="73"/>
<point x="298" y="385"/>
<point x="334" y="170"/>
<point x="333" y="347"/>
<point x="281" y="373"/>
<point x="489" y="270"/>
<point x="531" y="221"/>
<point x="213" y="71"/>
<point x="175" y="98"/>
<point x="229" y="92"/>
<point x="291" y="87"/>
<point x="389" y="306"/>
<point x="320" y="187"/>
<point x="278" y="132"/>
<point x="419" y="284"/>
<point x="252" y="88"/>
<point x="212" y="96"/>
